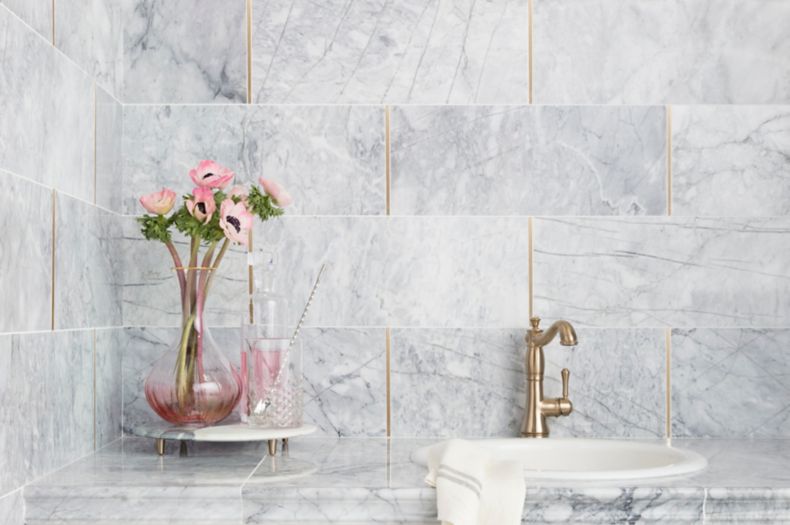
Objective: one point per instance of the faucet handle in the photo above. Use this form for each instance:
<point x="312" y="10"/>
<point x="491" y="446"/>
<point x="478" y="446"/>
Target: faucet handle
<point x="566" y="374"/>
<point x="535" y="322"/>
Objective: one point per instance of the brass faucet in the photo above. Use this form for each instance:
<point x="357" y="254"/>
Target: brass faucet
<point x="538" y="408"/>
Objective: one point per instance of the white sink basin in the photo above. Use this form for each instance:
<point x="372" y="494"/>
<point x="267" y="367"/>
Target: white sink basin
<point x="589" y="459"/>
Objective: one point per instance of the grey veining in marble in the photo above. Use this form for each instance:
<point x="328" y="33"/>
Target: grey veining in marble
<point x="731" y="160"/>
<point x="681" y="272"/>
<point x="330" y="158"/>
<point x="109" y="385"/>
<point x="46" y="133"/>
<point x="12" y="509"/>
<point x="109" y="152"/>
<point x="150" y="287"/>
<point x="351" y="292"/>
<point x="25" y="255"/>
<point x="668" y="51"/>
<point x="91" y="34"/>
<point x="35" y="13"/>
<point x="730" y="383"/>
<point x="522" y="160"/>
<point x="88" y="265"/>
<point x="180" y="51"/>
<point x="457" y="271"/>
<point x="426" y="51"/>
<point x="345" y="380"/>
<point x="46" y="391"/>
<point x="475" y="382"/>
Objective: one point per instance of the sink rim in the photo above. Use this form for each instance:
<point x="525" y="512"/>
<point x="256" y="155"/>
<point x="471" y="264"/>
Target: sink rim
<point x="687" y="462"/>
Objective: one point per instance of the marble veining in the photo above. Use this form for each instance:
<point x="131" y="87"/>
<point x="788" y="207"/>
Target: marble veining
<point x="91" y="34"/>
<point x="35" y="13"/>
<point x="87" y="265"/>
<point x="425" y="51"/>
<point x="708" y="365"/>
<point x="528" y="160"/>
<point x="46" y="133"/>
<point x="25" y="255"/>
<point x="681" y="272"/>
<point x="109" y="385"/>
<point x="668" y="51"/>
<point x="109" y="152"/>
<point x="12" y="508"/>
<point x="180" y="51"/>
<point x="731" y="160"/>
<point x="46" y="391"/>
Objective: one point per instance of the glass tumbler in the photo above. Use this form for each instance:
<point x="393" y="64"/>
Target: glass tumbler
<point x="274" y="378"/>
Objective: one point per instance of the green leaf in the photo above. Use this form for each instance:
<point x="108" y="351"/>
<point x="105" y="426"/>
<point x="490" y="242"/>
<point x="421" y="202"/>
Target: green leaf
<point x="155" y="227"/>
<point x="262" y="205"/>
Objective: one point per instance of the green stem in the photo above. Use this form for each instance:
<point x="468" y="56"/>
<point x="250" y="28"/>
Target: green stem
<point x="183" y="378"/>
<point x="215" y="265"/>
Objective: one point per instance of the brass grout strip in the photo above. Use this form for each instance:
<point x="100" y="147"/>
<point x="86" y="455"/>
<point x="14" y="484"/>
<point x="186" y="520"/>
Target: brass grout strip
<point x="668" y="344"/>
<point x="388" y="357"/>
<point x="529" y="40"/>
<point x="94" y="389"/>
<point x="95" y="141"/>
<point x="669" y="159"/>
<point x="387" y="158"/>
<point x="529" y="271"/>
<point x="249" y="51"/>
<point x="52" y="262"/>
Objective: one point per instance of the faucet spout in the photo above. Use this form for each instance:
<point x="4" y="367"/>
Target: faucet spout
<point x="563" y="328"/>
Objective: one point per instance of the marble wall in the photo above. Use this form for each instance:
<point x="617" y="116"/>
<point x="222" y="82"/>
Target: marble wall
<point x="60" y="255"/>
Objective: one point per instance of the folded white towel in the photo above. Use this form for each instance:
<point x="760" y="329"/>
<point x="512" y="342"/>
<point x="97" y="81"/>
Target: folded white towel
<point x="473" y="489"/>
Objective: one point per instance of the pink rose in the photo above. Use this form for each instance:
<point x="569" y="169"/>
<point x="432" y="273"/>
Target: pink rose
<point x="240" y="192"/>
<point x="201" y="205"/>
<point x="235" y="221"/>
<point x="281" y="197"/>
<point x="160" y="202"/>
<point x="209" y="174"/>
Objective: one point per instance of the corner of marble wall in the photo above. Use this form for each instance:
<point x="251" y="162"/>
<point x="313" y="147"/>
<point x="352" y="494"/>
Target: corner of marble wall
<point x="109" y="385"/>
<point x="109" y="189"/>
<point x="180" y="51"/>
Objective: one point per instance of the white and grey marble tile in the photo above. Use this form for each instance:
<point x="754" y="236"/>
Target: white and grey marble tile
<point x="709" y="365"/>
<point x="731" y="160"/>
<point x="162" y="143"/>
<point x="476" y="381"/>
<point x="669" y="51"/>
<point x="351" y="292"/>
<point x="180" y="51"/>
<point x="109" y="385"/>
<point x="12" y="508"/>
<point x="345" y="381"/>
<point x="46" y="390"/>
<point x="109" y="152"/>
<point x="25" y="255"/>
<point x="645" y="272"/>
<point x="91" y="34"/>
<point x="46" y="133"/>
<point x="88" y="265"/>
<point x="425" y="51"/>
<point x="529" y="160"/>
<point x="759" y="505"/>
<point x="457" y="271"/>
<point x="35" y="13"/>
<point x="150" y="292"/>
<point x="330" y="158"/>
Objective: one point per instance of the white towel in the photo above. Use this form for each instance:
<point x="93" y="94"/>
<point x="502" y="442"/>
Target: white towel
<point x="473" y="489"/>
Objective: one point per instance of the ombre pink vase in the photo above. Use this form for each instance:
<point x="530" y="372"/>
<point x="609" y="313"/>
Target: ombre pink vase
<point x="193" y="384"/>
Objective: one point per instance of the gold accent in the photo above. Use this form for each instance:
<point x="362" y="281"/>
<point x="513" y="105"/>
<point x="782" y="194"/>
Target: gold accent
<point x="529" y="39"/>
<point x="669" y="159"/>
<point x="388" y="356"/>
<point x="208" y="268"/>
<point x="249" y="51"/>
<point x="538" y="407"/>
<point x="54" y="237"/>
<point x="668" y="344"/>
<point x="160" y="446"/>
<point x="529" y="269"/>
<point x="272" y="445"/>
<point x="387" y="156"/>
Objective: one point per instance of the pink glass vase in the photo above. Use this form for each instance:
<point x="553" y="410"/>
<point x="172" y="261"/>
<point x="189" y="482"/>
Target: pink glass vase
<point x="193" y="383"/>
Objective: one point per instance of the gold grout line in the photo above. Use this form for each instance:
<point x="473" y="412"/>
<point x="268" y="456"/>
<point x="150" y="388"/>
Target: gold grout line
<point x="668" y="344"/>
<point x="249" y="51"/>
<point x="529" y="272"/>
<point x="669" y="159"/>
<point x="529" y="40"/>
<point x="95" y="141"/>
<point x="388" y="158"/>
<point x="388" y="357"/>
<point x="52" y="262"/>
<point x="94" y="389"/>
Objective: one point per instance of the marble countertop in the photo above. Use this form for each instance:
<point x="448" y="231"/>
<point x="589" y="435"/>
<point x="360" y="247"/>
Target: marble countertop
<point x="345" y="481"/>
